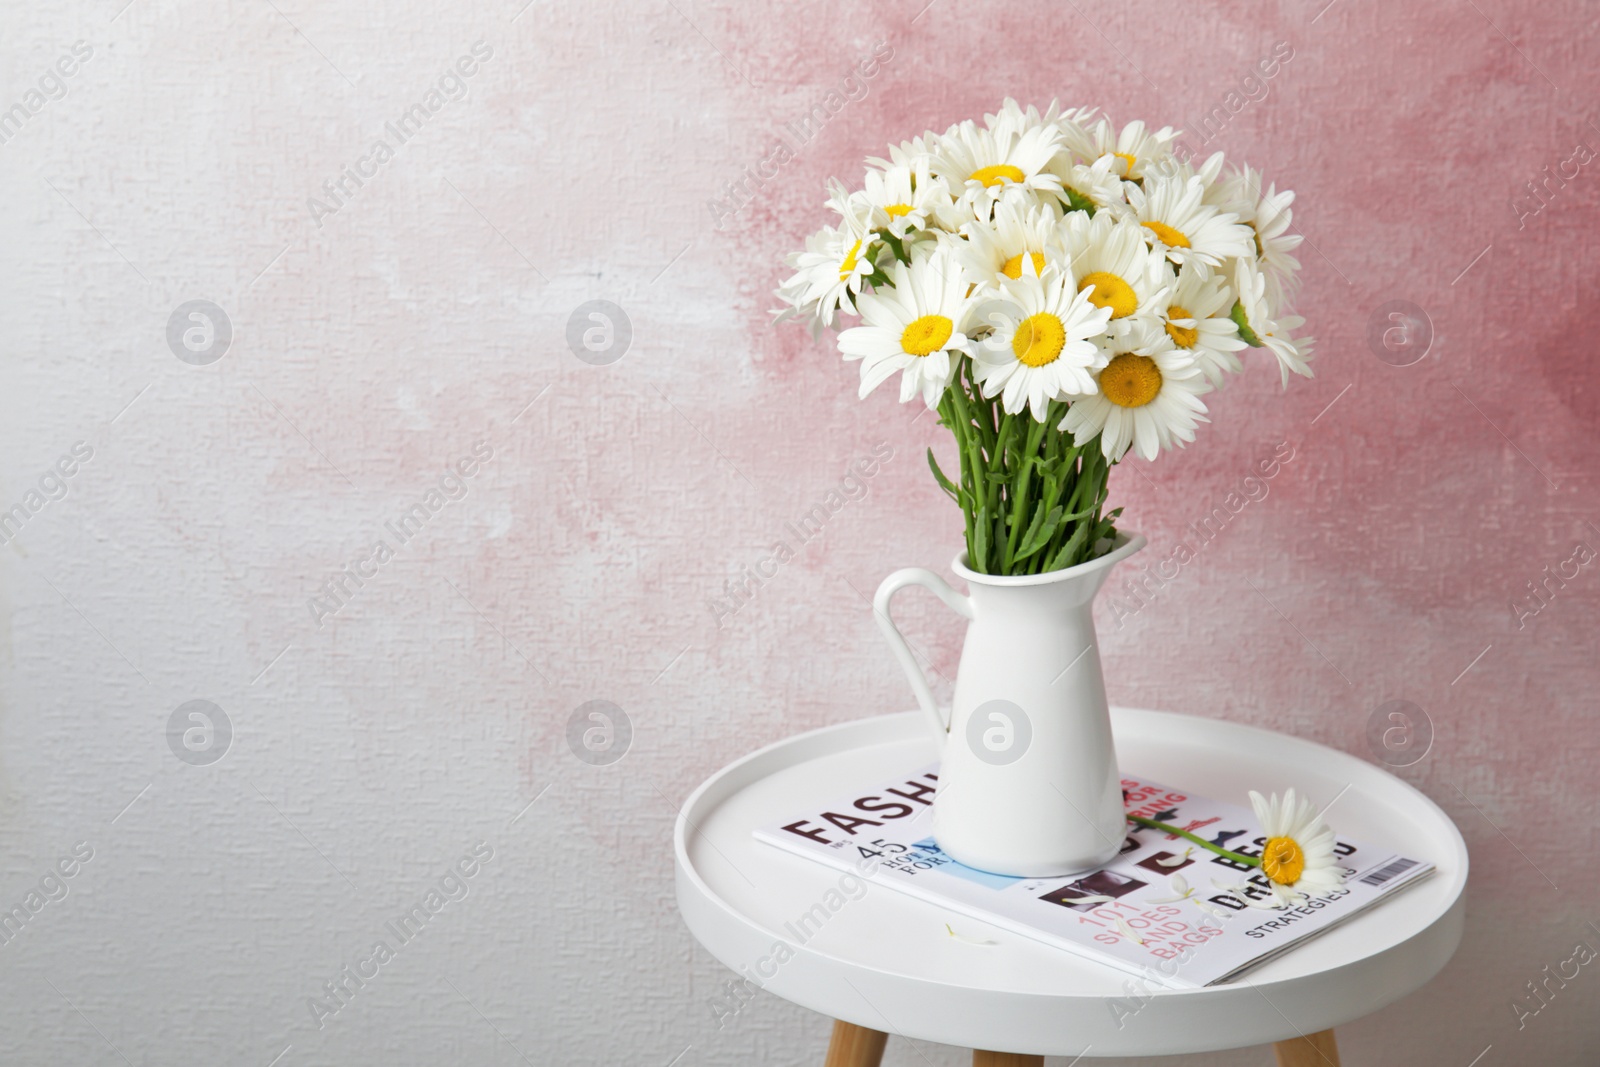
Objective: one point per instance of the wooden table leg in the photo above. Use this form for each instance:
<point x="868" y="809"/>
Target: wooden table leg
<point x="981" y="1058"/>
<point x="855" y="1046"/>
<point x="1313" y="1050"/>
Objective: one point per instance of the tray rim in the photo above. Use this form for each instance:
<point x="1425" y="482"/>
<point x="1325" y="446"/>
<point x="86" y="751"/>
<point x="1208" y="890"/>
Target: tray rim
<point x="1322" y="998"/>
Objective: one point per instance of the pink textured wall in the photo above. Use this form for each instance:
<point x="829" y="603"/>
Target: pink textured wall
<point x="590" y="159"/>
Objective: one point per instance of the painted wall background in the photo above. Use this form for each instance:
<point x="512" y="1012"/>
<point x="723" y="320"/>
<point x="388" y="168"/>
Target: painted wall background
<point x="375" y="345"/>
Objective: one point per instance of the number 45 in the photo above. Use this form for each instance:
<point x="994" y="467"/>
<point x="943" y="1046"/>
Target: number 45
<point x="894" y="847"/>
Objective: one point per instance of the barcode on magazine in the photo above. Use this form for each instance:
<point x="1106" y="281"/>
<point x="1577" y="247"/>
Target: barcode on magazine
<point x="1383" y="874"/>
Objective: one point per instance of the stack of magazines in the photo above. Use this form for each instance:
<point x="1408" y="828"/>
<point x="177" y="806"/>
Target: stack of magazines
<point x="1171" y="912"/>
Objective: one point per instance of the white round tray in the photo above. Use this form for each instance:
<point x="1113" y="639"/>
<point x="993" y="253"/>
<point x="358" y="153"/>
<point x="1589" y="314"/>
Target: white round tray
<point x="886" y="961"/>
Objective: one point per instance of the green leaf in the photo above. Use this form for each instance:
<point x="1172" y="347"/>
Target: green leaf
<point x="1076" y="201"/>
<point x="938" y="476"/>
<point x="1040" y="530"/>
<point x="1071" y="553"/>
<point x="895" y="245"/>
<point x="1246" y="334"/>
<point x="1106" y="528"/>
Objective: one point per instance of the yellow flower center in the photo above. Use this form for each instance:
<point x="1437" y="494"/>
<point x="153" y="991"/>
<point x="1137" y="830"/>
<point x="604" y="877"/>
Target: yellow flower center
<point x="1039" y="340"/>
<point x="994" y="175"/>
<point x="1169" y="237"/>
<point x="1131" y="380"/>
<point x="1013" y="267"/>
<point x="926" y="335"/>
<point x="1111" y="292"/>
<point x="1182" y="336"/>
<point x="897" y="210"/>
<point x="1126" y="157"/>
<point x="849" y="265"/>
<point x="1282" y="860"/>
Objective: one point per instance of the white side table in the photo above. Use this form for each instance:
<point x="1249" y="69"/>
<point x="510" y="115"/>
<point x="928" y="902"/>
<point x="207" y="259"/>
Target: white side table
<point x="886" y="964"/>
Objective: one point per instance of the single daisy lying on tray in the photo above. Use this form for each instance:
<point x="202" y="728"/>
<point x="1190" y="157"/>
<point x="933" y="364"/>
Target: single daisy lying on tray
<point x="1297" y="858"/>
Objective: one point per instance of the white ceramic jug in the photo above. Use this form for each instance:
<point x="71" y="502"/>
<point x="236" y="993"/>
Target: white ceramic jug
<point x="1028" y="785"/>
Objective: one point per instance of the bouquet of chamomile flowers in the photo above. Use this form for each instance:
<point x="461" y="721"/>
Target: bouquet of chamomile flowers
<point x="1061" y="292"/>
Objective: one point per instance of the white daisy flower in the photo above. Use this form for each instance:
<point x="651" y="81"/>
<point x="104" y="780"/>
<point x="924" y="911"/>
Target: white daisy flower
<point x="828" y="278"/>
<point x="1199" y="321"/>
<point x="1077" y="134"/>
<point x="1040" y="351"/>
<point x="918" y="328"/>
<point x="1110" y="257"/>
<point x="983" y="165"/>
<point x="993" y="252"/>
<point x="1298" y="858"/>
<point x="1012" y="117"/>
<point x="1133" y="149"/>
<point x="1274" y="243"/>
<point x="1089" y="187"/>
<point x="1183" y="228"/>
<point x="830" y="272"/>
<point x="902" y="198"/>
<point x="1148" y="398"/>
<point x="1269" y="218"/>
<point x="1209" y="173"/>
<point x="1253" y="314"/>
<point x="908" y="153"/>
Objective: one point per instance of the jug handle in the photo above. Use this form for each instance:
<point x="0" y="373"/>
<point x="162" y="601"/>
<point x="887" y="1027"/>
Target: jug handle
<point x="919" y="682"/>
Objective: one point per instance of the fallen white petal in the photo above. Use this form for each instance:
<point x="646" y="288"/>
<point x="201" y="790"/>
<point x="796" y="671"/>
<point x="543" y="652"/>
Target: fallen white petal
<point x="965" y="939"/>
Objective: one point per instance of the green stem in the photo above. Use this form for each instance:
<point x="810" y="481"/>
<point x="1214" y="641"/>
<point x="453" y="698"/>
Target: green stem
<point x="1011" y="476"/>
<point x="1030" y="457"/>
<point x="968" y="439"/>
<point x="1002" y="439"/>
<point x="948" y="416"/>
<point x="1253" y="861"/>
<point x="995" y="431"/>
<point x="1069" y="481"/>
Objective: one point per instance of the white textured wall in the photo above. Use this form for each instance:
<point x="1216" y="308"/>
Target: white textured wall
<point x="380" y="339"/>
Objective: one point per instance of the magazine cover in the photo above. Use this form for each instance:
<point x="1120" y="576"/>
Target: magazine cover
<point x="1164" y="909"/>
